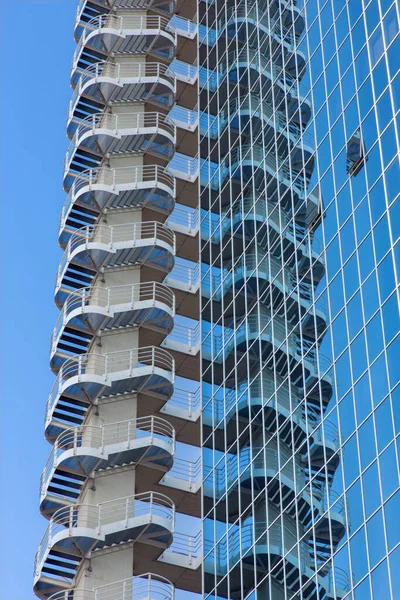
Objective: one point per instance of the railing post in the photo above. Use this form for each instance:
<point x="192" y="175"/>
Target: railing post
<point x="151" y="507"/>
<point x="126" y="512"/>
<point x="128" y="434"/>
<point x="75" y="439"/>
<point x="130" y="362"/>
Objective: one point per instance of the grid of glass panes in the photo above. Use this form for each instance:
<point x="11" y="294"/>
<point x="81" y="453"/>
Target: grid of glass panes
<point x="273" y="512"/>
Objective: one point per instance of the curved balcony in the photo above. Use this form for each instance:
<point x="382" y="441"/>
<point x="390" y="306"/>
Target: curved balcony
<point x="237" y="113"/>
<point x="264" y="168"/>
<point x="89" y="310"/>
<point x="106" y="81"/>
<point x="93" y="248"/>
<point x="256" y="17"/>
<point x="79" y="452"/>
<point x="273" y="343"/>
<point x="330" y="525"/>
<point x="126" y="34"/>
<point x="265" y="547"/>
<point x="271" y="405"/>
<point x="106" y="133"/>
<point x="275" y="81"/>
<point x="253" y="275"/>
<point x="84" y="378"/>
<point x="75" y="531"/>
<point x="275" y="231"/>
<point x="94" y="190"/>
<point x="89" y="9"/>
<point x="249" y="473"/>
<point x="149" y="586"/>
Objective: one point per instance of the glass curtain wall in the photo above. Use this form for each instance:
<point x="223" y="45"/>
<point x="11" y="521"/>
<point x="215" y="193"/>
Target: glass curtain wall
<point x="298" y="186"/>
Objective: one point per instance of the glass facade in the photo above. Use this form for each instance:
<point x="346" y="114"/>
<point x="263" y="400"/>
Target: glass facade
<point x="225" y="411"/>
<point x="300" y="312"/>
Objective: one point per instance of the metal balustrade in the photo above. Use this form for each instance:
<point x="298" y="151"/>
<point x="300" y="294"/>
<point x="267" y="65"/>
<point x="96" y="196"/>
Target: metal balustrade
<point x="255" y="157"/>
<point x="184" y="72"/>
<point x="184" y="276"/>
<point x="183" y="402"/>
<point x="68" y="521"/>
<point x="245" y="466"/>
<point x="104" y="81"/>
<point x="187" y="471"/>
<point x="254" y="106"/>
<point x="250" y="58"/>
<point x="106" y="368"/>
<point x="125" y="187"/>
<point x="185" y="118"/>
<point x="112" y="28"/>
<point x="254" y="539"/>
<point x="287" y="35"/>
<point x="147" y="586"/>
<point x="184" y="338"/>
<point x="184" y="167"/>
<point x="185" y="546"/>
<point x="109" y="239"/>
<point x="184" y="27"/>
<point x="110" y="301"/>
<point x="112" y="127"/>
<point x="106" y="440"/>
<point x="184" y="220"/>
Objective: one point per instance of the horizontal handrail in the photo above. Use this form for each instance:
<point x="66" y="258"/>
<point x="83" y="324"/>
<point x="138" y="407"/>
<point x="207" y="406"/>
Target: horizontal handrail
<point x="104" y="366"/>
<point x="120" y="177"/>
<point x="240" y="540"/>
<point x="144" y="24"/>
<point x="121" y="72"/>
<point x="108" y="235"/>
<point x="97" y="516"/>
<point x="101" y="437"/>
<point x="256" y="106"/>
<point x="185" y="399"/>
<point x="132" y="123"/>
<point x="224" y="475"/>
<point x="129" y="296"/>
<point x="138" y="587"/>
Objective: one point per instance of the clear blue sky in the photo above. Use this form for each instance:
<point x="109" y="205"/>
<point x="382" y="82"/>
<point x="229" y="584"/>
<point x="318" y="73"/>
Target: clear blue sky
<point x="37" y="41"/>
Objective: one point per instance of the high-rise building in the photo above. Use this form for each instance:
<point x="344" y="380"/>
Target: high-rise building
<point x="226" y="407"/>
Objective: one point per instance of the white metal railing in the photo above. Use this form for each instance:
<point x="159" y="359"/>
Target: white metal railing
<point x="121" y="24"/>
<point x="249" y="459"/>
<point x="189" y="546"/>
<point x="97" y="516"/>
<point x="184" y="27"/>
<point x="121" y="73"/>
<point x="141" y="176"/>
<point x="130" y="123"/>
<point x="102" y="437"/>
<point x="189" y="337"/>
<point x="255" y="106"/>
<point x="186" y="470"/>
<point x="119" y="298"/>
<point x="184" y="167"/>
<point x="184" y="72"/>
<point x="147" y="586"/>
<point x="184" y="218"/>
<point x="255" y="538"/>
<point x="186" y="400"/>
<point x="110" y="235"/>
<point x="286" y="34"/>
<point x="184" y="275"/>
<point x="106" y="367"/>
<point x="185" y="118"/>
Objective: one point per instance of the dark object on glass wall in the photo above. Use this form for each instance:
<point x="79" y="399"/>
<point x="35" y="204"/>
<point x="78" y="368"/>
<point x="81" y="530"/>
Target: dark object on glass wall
<point x="356" y="155"/>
